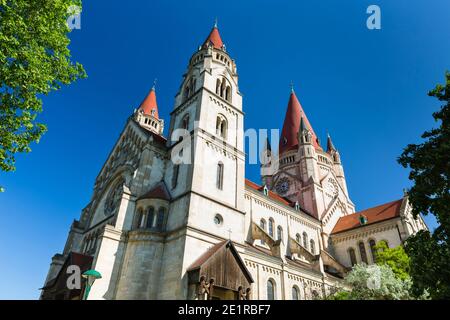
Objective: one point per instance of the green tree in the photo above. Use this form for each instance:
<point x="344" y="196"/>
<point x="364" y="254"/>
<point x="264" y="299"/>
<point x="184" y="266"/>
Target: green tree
<point x="429" y="265"/>
<point x="34" y="60"/>
<point x="429" y="162"/>
<point x="340" y="295"/>
<point x="396" y="258"/>
<point x="375" y="282"/>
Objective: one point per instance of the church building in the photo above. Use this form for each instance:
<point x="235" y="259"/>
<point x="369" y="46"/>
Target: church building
<point x="175" y="218"/>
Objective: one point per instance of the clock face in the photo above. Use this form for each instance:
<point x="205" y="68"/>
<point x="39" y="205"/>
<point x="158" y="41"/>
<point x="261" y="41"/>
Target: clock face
<point x="282" y="186"/>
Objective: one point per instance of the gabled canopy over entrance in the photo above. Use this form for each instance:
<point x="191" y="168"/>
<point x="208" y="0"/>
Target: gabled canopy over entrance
<point x="220" y="273"/>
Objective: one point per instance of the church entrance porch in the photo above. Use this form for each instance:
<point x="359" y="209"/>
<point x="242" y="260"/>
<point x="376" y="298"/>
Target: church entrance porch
<point x="219" y="274"/>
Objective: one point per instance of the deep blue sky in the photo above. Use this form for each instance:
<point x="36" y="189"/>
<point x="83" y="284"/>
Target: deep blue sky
<point x="367" y="88"/>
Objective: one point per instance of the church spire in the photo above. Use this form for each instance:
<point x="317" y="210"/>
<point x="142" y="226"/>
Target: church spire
<point x="291" y="126"/>
<point x="214" y="38"/>
<point x="149" y="105"/>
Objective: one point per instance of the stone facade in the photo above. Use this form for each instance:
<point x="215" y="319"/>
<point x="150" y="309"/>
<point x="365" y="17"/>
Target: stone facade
<point x="151" y="218"/>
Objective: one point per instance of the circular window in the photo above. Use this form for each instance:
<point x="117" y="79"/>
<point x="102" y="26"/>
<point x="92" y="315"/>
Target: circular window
<point x="218" y="219"/>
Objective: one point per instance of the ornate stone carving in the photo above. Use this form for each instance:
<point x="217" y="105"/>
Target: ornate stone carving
<point x="205" y="289"/>
<point x="113" y="200"/>
<point x="244" y="294"/>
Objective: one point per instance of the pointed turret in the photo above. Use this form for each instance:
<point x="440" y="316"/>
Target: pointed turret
<point x="214" y="39"/>
<point x="330" y="145"/>
<point x="302" y="125"/>
<point x="147" y="113"/>
<point x="291" y="126"/>
<point x="149" y="105"/>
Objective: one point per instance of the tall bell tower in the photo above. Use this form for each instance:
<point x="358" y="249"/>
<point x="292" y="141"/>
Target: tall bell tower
<point x="207" y="124"/>
<point x="306" y="173"/>
<point x="206" y="166"/>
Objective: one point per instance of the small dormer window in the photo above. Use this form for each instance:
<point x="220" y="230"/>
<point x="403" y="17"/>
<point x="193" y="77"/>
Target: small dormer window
<point x="297" y="206"/>
<point x="362" y="220"/>
<point x="266" y="191"/>
<point x="153" y="112"/>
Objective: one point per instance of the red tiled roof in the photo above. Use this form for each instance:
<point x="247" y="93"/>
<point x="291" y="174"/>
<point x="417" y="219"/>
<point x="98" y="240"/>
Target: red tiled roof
<point x="376" y="214"/>
<point x="158" y="192"/>
<point x="214" y="38"/>
<point x="291" y="126"/>
<point x="272" y="195"/>
<point x="149" y="104"/>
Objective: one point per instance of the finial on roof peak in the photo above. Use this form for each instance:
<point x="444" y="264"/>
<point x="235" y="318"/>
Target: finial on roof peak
<point x="215" y="22"/>
<point x="292" y="86"/>
<point x="154" y="84"/>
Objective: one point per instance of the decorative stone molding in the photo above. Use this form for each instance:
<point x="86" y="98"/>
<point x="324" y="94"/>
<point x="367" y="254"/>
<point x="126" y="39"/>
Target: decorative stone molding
<point x="364" y="233"/>
<point x="223" y="105"/>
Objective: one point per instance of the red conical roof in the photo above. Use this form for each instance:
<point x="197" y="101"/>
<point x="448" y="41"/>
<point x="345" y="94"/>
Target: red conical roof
<point x="149" y="104"/>
<point x="214" y="38"/>
<point x="291" y="126"/>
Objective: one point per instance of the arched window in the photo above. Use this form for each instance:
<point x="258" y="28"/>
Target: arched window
<point x="94" y="243"/>
<point x="88" y="246"/>
<point x="222" y="88"/>
<point x="279" y="233"/>
<point x="228" y="93"/>
<point x="351" y="253"/>
<point x="270" y="289"/>
<point x="221" y="127"/>
<point x="219" y="178"/>
<point x="160" y="219"/>
<point x="185" y="122"/>
<point x="218" y="86"/>
<point x="372" y="249"/>
<point x="176" y="169"/>
<point x="271" y="223"/>
<point x="150" y="217"/>
<point x="298" y="238"/>
<point x="295" y="293"/>
<point x="85" y="245"/>
<point x="140" y="221"/>
<point x="305" y="240"/>
<point x="362" y="252"/>
<point x="262" y="224"/>
<point x="189" y="88"/>
<point x="313" y="246"/>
